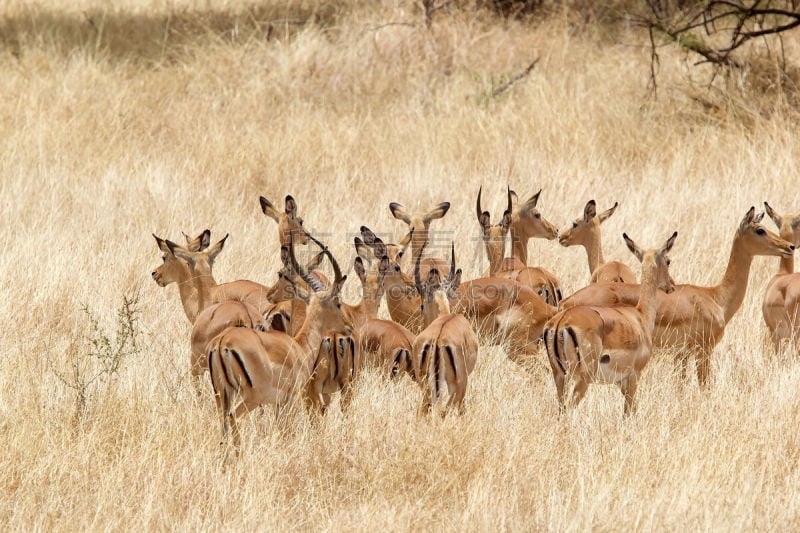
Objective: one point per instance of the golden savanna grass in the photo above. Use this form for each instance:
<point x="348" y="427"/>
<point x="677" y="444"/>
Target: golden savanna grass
<point x="162" y="117"/>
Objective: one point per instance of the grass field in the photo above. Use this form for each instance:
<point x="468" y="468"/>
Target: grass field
<point x="169" y="116"/>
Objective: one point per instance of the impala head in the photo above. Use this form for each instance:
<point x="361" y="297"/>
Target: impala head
<point x="174" y="270"/>
<point x="788" y="225"/>
<point x="418" y="221"/>
<point x="528" y="222"/>
<point x="371" y="281"/>
<point x="289" y="224"/>
<point x="324" y="305"/>
<point x="394" y="252"/>
<point x="758" y="240"/>
<point x="435" y="292"/>
<point x="585" y="229"/>
<point x="286" y="288"/>
<point x="201" y="263"/>
<point x="655" y="261"/>
<point x="494" y="236"/>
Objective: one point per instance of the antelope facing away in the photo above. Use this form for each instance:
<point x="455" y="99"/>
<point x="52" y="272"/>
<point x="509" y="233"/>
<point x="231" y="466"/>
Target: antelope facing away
<point x="418" y="224"/>
<point x="597" y="344"/>
<point x="249" y="368"/>
<point x="585" y="231"/>
<point x="446" y="351"/>
<point x="692" y="319"/>
<point x="382" y="343"/>
<point x="494" y="239"/>
<point x="781" y="307"/>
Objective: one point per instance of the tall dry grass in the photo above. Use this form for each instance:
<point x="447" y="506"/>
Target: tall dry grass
<point x="171" y="116"/>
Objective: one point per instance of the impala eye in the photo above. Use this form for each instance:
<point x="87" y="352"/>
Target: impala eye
<point x="537" y="215"/>
<point x="574" y="225"/>
<point x="761" y="231"/>
<point x="669" y="262"/>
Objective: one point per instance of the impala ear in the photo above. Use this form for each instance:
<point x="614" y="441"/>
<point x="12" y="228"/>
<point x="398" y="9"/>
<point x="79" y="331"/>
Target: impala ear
<point x="776" y="218"/>
<point x="589" y="211"/>
<point x="633" y="247"/>
<point x="361" y="272"/>
<point x="531" y="202"/>
<point x="362" y="250"/>
<point x="607" y="213"/>
<point x="214" y="251"/>
<point x="315" y="262"/>
<point x="399" y="212"/>
<point x="456" y="283"/>
<point x="670" y="242"/>
<point x="162" y="244"/>
<point x="438" y="212"/>
<point x="506" y="222"/>
<point x="176" y="250"/>
<point x="485" y="222"/>
<point x="748" y="218"/>
<point x="290" y="206"/>
<point x="205" y="240"/>
<point x="383" y="266"/>
<point x="268" y="209"/>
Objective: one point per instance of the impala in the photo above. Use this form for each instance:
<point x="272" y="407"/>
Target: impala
<point x="419" y="224"/>
<point x="494" y="239"/>
<point x="585" y="232"/>
<point x="526" y="223"/>
<point x="781" y="307"/>
<point x="290" y="226"/>
<point x="402" y="299"/>
<point x="176" y="270"/>
<point x="249" y="368"/>
<point x="334" y="371"/>
<point x="372" y="242"/>
<point x="445" y="352"/>
<point x="382" y="343"/>
<point x="214" y="318"/>
<point x="692" y="319"/>
<point x="598" y="344"/>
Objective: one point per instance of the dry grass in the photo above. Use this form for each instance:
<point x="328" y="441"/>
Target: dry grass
<point x="106" y="140"/>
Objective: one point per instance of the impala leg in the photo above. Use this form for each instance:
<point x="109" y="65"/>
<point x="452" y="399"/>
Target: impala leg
<point x="703" y="359"/>
<point x="628" y="387"/>
<point x="456" y="399"/>
<point x="427" y="401"/>
<point x="579" y="391"/>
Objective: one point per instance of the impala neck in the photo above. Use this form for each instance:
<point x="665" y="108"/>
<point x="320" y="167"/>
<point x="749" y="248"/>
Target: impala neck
<point x="519" y="246"/>
<point x="204" y="285"/>
<point x="310" y="336"/>
<point x="495" y="251"/>
<point x="731" y="291"/>
<point x="594" y="251"/>
<point x="189" y="300"/>
<point x="647" y="304"/>
<point x="787" y="265"/>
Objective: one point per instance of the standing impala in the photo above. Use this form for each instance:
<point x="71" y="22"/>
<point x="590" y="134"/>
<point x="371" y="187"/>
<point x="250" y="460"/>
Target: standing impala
<point x="250" y="368"/>
<point x="692" y="319"/>
<point x="177" y="270"/>
<point x="445" y="352"/>
<point x="540" y="280"/>
<point x="781" y="307"/>
<point x="585" y="231"/>
<point x="598" y="344"/>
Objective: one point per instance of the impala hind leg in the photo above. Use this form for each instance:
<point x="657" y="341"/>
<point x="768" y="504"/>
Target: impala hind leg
<point x="579" y="391"/>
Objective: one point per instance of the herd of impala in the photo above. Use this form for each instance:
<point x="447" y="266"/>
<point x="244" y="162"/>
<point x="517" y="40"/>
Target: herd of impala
<point x="295" y="339"/>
